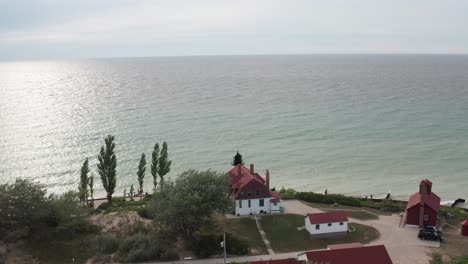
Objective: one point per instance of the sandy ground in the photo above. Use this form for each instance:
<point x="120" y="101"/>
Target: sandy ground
<point x="118" y="221"/>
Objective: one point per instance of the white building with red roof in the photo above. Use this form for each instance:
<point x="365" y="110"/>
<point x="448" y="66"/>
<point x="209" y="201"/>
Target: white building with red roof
<point x="252" y="193"/>
<point x="334" y="222"/>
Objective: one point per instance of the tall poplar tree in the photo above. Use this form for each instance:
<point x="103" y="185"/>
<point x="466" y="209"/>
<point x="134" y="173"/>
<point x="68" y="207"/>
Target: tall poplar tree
<point x="91" y="190"/>
<point x="164" y="163"/>
<point x="107" y="167"/>
<point x="141" y="172"/>
<point x="155" y="166"/>
<point x="83" y="186"/>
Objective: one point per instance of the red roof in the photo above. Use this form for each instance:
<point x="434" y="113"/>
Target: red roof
<point x="360" y="255"/>
<point x="431" y="199"/>
<point x="465" y="223"/>
<point x="328" y="217"/>
<point x="278" y="261"/>
<point x="240" y="176"/>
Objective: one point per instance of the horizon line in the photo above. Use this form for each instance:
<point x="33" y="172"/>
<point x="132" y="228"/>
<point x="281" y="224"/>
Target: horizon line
<point x="230" y="55"/>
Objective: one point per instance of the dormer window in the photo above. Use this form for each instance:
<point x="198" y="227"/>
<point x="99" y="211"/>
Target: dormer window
<point x="249" y="193"/>
<point x="257" y="192"/>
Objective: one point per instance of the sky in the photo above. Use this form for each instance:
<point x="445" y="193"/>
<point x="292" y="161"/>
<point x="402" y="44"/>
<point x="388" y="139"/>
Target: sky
<point x="52" y="29"/>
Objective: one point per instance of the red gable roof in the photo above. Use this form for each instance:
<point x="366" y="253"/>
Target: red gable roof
<point x="278" y="261"/>
<point x="465" y="223"/>
<point x="240" y="176"/>
<point x="328" y="217"/>
<point x="431" y="199"/>
<point x="360" y="255"/>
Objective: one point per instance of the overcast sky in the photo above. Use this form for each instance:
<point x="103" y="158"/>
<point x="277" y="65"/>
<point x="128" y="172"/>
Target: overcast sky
<point x="48" y="29"/>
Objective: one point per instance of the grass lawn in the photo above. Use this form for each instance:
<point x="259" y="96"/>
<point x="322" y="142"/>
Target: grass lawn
<point x="327" y="207"/>
<point x="284" y="236"/>
<point x="454" y="245"/>
<point x="246" y="229"/>
<point x="362" y="215"/>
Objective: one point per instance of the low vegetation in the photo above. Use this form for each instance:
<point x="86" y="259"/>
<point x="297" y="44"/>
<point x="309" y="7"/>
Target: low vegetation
<point x="323" y="201"/>
<point x="285" y="234"/>
<point x="438" y="259"/>
<point x="453" y="216"/>
<point x="246" y="230"/>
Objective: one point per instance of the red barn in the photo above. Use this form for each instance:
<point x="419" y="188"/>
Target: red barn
<point x="423" y="207"/>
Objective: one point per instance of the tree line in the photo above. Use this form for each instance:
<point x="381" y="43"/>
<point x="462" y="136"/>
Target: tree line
<point x="107" y="170"/>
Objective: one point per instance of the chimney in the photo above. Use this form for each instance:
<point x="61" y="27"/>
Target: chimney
<point x="267" y="179"/>
<point x="252" y="168"/>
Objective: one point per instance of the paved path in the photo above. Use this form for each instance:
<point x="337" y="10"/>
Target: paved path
<point x="258" y="221"/>
<point x="233" y="259"/>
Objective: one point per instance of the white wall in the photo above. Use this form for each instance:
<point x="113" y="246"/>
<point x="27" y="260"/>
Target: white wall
<point x="324" y="228"/>
<point x="255" y="207"/>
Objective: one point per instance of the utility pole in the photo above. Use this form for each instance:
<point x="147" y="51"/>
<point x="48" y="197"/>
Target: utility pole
<point x="224" y="246"/>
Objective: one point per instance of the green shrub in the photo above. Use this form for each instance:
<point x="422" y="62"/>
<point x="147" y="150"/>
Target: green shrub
<point x="236" y="246"/>
<point x="385" y="205"/>
<point x="20" y="203"/>
<point x="145" y="247"/>
<point x="143" y="212"/>
<point x="205" y="245"/>
<point x="287" y="193"/>
<point x="169" y="254"/>
<point x="105" y="243"/>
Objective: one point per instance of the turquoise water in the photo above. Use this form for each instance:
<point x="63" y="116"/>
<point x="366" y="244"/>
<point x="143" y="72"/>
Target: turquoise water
<point x="354" y="124"/>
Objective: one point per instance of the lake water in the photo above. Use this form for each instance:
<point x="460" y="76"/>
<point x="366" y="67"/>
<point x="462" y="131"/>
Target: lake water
<point x="354" y="124"/>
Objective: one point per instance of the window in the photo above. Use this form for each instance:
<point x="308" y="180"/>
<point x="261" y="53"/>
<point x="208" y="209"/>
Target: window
<point x="240" y="203"/>
<point x="261" y="202"/>
<point x="329" y="224"/>
<point x="257" y="192"/>
<point x="249" y="193"/>
<point x="426" y="217"/>
<point x="274" y="204"/>
<point x="317" y="227"/>
<point x="248" y="203"/>
<point x="341" y="223"/>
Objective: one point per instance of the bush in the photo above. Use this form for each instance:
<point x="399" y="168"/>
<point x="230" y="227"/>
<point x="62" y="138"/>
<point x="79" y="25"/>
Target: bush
<point x="145" y="247"/>
<point x="205" y="245"/>
<point x="328" y="199"/>
<point x="143" y="212"/>
<point x="385" y="205"/>
<point x="20" y="203"/>
<point x="105" y="243"/>
<point x="236" y="246"/>
<point x="287" y="193"/>
<point x="169" y="254"/>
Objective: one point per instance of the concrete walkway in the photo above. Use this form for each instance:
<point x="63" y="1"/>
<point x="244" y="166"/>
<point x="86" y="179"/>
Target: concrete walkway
<point x="258" y="221"/>
<point x="233" y="259"/>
